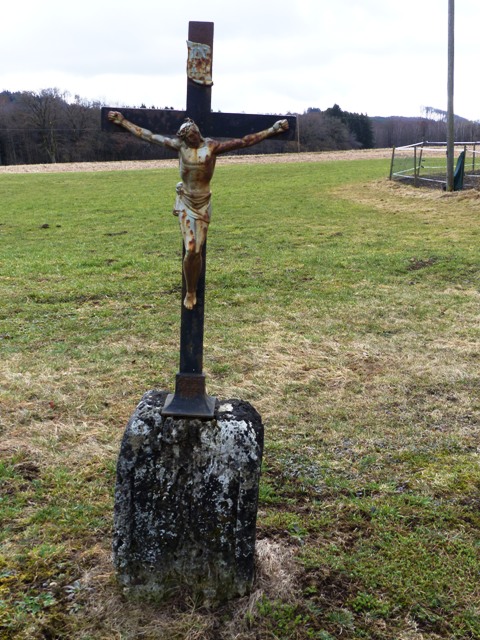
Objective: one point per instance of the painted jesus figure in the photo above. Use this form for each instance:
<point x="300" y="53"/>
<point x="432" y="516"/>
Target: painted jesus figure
<point x="197" y="157"/>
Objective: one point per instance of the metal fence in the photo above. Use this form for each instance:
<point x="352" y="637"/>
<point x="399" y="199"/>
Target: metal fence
<point x="425" y="164"/>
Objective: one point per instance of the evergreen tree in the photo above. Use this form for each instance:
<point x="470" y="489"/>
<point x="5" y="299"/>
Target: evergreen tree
<point x="359" y="125"/>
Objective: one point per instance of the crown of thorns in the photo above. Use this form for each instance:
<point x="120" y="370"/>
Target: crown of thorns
<point x="185" y="128"/>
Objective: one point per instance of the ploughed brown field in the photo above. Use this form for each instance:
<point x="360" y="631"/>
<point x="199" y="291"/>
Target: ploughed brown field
<point x="320" y="156"/>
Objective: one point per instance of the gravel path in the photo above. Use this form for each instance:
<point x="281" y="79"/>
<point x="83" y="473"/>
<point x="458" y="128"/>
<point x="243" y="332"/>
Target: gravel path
<point x="322" y="156"/>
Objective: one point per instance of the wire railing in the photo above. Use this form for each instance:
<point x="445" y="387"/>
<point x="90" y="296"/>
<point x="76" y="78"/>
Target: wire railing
<point x="425" y="163"/>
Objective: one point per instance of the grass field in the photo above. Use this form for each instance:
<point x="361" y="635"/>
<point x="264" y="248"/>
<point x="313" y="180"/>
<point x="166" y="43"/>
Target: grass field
<point x="344" y="307"/>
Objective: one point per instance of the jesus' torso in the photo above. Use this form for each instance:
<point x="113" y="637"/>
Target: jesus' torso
<point x="197" y="166"/>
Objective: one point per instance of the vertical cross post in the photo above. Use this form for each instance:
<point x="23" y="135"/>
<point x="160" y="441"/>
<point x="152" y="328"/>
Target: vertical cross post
<point x="190" y="398"/>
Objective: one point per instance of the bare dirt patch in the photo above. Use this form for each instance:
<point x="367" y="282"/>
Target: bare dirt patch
<point x="321" y="156"/>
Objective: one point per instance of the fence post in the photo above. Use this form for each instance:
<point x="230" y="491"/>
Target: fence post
<point x="391" y="163"/>
<point x="415" y="166"/>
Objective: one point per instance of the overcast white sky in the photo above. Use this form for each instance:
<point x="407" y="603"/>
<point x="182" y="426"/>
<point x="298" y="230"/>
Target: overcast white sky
<point x="379" y="57"/>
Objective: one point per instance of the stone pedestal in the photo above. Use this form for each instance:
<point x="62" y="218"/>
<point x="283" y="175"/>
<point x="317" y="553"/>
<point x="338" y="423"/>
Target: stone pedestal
<point x="186" y="501"/>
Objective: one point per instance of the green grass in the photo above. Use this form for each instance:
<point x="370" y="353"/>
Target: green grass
<point x="343" y="306"/>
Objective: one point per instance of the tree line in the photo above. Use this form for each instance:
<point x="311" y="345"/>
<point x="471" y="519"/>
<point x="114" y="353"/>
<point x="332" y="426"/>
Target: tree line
<point x="334" y="129"/>
<point x="399" y="131"/>
<point x="49" y="126"/>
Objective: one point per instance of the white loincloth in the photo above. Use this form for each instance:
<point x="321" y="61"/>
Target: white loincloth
<point x="195" y="207"/>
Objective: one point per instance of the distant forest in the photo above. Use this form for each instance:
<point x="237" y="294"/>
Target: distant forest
<point x="48" y="126"/>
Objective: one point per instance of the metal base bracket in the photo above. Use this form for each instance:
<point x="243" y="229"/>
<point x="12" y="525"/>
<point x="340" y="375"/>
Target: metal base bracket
<point x="189" y="399"/>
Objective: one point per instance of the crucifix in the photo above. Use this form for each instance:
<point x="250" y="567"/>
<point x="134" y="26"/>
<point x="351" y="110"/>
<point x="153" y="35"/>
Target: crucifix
<point x="197" y="156"/>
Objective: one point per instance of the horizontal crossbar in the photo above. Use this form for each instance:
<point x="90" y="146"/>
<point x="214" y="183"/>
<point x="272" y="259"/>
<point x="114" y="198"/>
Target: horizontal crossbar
<point x="214" y="124"/>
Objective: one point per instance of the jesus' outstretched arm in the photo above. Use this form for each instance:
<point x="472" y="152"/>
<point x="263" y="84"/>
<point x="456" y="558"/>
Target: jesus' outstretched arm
<point x="252" y="138"/>
<point x="117" y="118"/>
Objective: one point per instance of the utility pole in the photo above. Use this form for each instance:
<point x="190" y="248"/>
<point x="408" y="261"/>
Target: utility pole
<point x="450" y="83"/>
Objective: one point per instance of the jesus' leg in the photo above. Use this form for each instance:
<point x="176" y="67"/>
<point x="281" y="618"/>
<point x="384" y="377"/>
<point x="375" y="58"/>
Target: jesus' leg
<point x="194" y="235"/>
<point x="192" y="267"/>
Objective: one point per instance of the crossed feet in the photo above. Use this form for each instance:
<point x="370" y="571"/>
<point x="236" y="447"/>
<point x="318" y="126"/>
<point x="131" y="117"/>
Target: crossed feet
<point x="190" y="300"/>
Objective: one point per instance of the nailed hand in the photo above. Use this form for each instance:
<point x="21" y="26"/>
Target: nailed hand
<point x="116" y="117"/>
<point x="280" y="125"/>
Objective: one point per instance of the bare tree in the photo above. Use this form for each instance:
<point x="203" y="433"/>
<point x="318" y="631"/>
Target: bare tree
<point x="319" y="132"/>
<point x="44" y="113"/>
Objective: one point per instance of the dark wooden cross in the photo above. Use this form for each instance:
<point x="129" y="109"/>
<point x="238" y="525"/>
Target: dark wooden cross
<point x="190" y="398"/>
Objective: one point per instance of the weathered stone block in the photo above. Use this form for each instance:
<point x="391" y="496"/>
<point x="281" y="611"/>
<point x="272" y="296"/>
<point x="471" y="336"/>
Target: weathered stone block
<point x="186" y="501"/>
